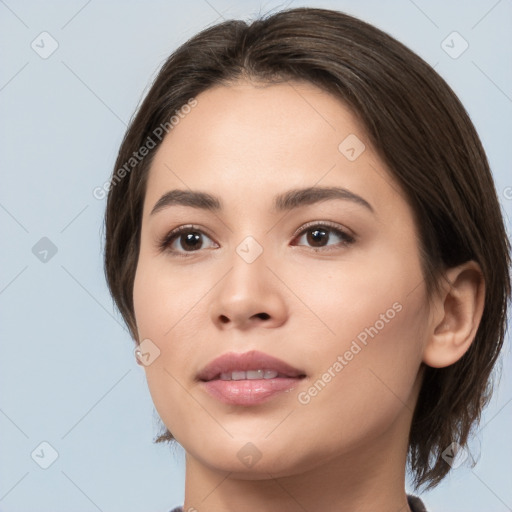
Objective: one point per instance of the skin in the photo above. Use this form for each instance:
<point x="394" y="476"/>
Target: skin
<point x="346" y="448"/>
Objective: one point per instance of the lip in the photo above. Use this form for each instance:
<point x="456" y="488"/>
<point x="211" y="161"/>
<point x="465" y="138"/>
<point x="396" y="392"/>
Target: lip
<point x="248" y="391"/>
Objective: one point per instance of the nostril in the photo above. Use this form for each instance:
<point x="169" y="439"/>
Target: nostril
<point x="264" y="316"/>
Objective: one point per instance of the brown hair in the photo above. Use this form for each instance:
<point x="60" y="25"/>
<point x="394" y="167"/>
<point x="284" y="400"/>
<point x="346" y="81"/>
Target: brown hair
<point x="420" y="130"/>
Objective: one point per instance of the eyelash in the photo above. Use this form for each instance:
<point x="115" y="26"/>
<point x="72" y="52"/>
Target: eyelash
<point x="165" y="242"/>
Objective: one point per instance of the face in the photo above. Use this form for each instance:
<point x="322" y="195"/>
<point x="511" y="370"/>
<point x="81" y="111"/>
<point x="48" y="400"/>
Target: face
<point x="314" y="301"/>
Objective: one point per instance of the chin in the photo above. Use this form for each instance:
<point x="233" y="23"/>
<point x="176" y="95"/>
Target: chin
<point x="255" y="458"/>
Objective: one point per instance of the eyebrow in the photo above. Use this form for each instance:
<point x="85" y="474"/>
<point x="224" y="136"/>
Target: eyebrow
<point x="286" y="201"/>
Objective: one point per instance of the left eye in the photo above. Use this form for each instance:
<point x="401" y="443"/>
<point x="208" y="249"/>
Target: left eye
<point x="318" y="236"/>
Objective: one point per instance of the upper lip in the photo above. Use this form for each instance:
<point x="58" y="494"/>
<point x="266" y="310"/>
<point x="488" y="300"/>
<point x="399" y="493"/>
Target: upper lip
<point x="247" y="361"/>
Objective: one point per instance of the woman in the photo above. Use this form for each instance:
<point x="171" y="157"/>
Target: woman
<point x="303" y="236"/>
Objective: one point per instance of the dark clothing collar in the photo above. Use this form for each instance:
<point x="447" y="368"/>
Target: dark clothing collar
<point x="414" y="502"/>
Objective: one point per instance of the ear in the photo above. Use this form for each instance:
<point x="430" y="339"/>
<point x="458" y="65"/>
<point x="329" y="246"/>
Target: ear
<point x="456" y="315"/>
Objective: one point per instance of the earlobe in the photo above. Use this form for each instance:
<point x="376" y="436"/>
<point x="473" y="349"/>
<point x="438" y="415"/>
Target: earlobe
<point x="459" y="311"/>
<point x="136" y="352"/>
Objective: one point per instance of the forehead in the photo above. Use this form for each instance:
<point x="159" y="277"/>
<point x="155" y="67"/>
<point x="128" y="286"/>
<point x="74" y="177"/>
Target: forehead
<point x="253" y="140"/>
<point x="275" y="121"/>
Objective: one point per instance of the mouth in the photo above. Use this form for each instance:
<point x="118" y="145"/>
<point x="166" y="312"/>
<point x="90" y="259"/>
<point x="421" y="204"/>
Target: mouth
<point x="249" y="378"/>
<point x="250" y="375"/>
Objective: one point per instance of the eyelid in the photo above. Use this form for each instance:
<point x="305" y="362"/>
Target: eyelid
<point x="338" y="227"/>
<point x="164" y="241"/>
<point x="188" y="227"/>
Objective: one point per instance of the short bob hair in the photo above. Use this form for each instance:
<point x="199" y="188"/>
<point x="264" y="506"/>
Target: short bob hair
<point x="420" y="130"/>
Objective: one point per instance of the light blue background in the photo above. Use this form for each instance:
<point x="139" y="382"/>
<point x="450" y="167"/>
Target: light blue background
<point x="67" y="371"/>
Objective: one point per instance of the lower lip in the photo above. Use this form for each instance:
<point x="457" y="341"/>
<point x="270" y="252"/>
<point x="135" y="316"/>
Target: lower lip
<point x="249" y="392"/>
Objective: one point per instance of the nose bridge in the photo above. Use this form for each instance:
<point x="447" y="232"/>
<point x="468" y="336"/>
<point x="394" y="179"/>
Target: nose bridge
<point x="249" y="292"/>
<point x="251" y="250"/>
<point x="248" y="274"/>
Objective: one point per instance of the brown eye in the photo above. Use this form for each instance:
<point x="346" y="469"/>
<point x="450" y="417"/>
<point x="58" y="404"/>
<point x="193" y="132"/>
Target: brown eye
<point x="185" y="239"/>
<point x="317" y="237"/>
<point x="190" y="241"/>
<point x="320" y="236"/>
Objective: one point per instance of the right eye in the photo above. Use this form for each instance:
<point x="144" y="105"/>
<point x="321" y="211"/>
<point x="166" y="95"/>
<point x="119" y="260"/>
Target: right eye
<point x="183" y="240"/>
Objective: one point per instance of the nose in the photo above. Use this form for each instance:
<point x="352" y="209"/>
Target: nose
<point x="249" y="296"/>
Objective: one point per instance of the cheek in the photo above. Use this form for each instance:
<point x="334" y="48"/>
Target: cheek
<point x="165" y="302"/>
<point x="368" y="362"/>
<point x="367" y="374"/>
<point x="168" y="310"/>
<point x="367" y="297"/>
